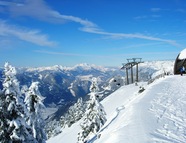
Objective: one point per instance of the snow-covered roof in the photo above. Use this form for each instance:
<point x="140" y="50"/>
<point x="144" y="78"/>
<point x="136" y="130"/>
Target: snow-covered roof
<point x="182" y="55"/>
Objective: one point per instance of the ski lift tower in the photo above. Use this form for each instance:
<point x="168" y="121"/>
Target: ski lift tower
<point x="129" y="66"/>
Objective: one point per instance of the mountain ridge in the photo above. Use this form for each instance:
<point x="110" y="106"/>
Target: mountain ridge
<point x="62" y="86"/>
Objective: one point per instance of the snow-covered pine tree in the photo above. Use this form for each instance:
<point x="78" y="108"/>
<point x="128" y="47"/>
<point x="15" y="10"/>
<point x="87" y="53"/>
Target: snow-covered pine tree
<point x="35" y="106"/>
<point x="74" y="114"/>
<point x="15" y="129"/>
<point x="94" y="117"/>
<point x="53" y="128"/>
<point x="3" y="123"/>
<point x="80" y="109"/>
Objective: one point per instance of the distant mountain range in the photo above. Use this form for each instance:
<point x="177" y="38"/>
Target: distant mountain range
<point x="62" y="86"/>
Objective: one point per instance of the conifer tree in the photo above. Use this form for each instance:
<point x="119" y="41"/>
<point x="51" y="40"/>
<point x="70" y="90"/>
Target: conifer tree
<point x="3" y="123"/>
<point x="34" y="104"/>
<point x="53" y="128"/>
<point x="15" y="129"/>
<point x="79" y="109"/>
<point x="74" y="114"/>
<point x="94" y="117"/>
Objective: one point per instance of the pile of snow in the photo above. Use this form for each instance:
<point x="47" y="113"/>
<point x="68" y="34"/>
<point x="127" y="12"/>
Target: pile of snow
<point x="182" y="55"/>
<point x="156" y="115"/>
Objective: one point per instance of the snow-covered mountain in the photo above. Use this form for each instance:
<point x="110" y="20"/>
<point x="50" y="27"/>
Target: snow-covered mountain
<point x="62" y="86"/>
<point x="157" y="115"/>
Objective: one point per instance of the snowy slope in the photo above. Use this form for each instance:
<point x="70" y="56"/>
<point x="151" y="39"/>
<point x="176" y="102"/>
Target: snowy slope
<point x="157" y="115"/>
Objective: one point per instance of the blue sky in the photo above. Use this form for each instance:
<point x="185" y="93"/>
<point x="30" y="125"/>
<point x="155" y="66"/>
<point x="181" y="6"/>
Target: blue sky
<point x="103" y="32"/>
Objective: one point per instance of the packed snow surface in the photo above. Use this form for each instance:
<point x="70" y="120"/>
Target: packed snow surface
<point x="157" y="115"/>
<point x="182" y="54"/>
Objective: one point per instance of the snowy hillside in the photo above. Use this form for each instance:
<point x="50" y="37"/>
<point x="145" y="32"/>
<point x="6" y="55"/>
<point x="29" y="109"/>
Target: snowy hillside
<point x="157" y="115"/>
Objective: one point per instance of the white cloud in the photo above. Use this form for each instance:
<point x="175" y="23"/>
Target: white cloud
<point x="32" y="36"/>
<point x="155" y="16"/>
<point x="140" y="17"/>
<point x="111" y="56"/>
<point x="70" y="54"/>
<point x="60" y="53"/>
<point x="123" y="35"/>
<point x="40" y="10"/>
<point x="156" y="9"/>
<point x="181" y="10"/>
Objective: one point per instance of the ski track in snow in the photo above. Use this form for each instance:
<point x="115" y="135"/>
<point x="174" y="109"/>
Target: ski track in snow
<point x="170" y="111"/>
<point x="115" y="115"/>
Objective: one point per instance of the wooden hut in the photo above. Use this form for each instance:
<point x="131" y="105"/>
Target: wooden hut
<point x="180" y="62"/>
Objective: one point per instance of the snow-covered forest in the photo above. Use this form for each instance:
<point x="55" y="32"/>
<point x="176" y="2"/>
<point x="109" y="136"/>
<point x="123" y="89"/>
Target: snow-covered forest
<point x="140" y="112"/>
<point x="21" y="120"/>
